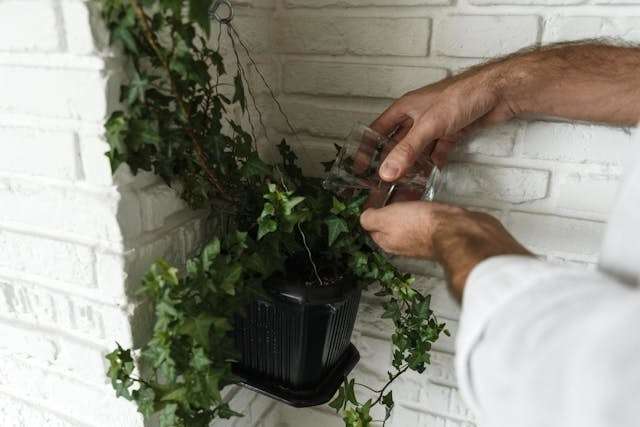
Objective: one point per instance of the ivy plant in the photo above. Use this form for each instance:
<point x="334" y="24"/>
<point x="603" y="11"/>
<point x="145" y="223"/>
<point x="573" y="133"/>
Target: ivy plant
<point x="177" y="121"/>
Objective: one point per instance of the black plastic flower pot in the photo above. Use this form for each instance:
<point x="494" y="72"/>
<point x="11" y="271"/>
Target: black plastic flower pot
<point x="295" y="345"/>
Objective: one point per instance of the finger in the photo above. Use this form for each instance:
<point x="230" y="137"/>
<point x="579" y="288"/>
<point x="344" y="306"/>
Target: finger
<point x="370" y="220"/>
<point x="427" y="128"/>
<point x="391" y="118"/>
<point x="402" y="130"/>
<point x="440" y="153"/>
<point x="398" y="135"/>
<point x="459" y="109"/>
<point x="378" y="238"/>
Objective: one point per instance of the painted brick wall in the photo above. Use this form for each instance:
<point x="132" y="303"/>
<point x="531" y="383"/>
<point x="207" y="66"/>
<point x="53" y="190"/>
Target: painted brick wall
<point x="74" y="240"/>
<point x="62" y="300"/>
<point x="343" y="61"/>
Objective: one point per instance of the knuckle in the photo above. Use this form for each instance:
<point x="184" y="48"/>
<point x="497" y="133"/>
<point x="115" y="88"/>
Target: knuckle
<point x="401" y="104"/>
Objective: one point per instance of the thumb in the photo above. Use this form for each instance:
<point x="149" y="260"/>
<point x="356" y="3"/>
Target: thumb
<point x="425" y="130"/>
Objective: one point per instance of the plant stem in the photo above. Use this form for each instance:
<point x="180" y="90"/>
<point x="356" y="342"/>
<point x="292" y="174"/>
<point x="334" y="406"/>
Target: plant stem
<point x="393" y="378"/>
<point x="369" y="388"/>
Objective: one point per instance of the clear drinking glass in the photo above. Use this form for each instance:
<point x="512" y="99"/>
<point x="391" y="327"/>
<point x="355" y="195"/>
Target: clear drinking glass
<point x="357" y="164"/>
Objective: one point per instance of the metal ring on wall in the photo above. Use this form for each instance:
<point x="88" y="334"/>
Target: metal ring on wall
<point x="215" y="11"/>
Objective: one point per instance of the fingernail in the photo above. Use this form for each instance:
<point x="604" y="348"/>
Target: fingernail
<point x="389" y="170"/>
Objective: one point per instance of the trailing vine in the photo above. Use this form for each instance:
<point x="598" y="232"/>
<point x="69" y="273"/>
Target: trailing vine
<point x="178" y="123"/>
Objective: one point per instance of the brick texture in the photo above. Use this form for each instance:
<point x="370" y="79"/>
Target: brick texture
<point x="76" y="240"/>
<point x="551" y="183"/>
<point x="514" y="185"/>
<point x="363" y="3"/>
<point x="357" y="36"/>
<point x="28" y="26"/>
<point x="471" y="36"/>
<point x="576" y="143"/>
<point x="320" y="78"/>
<point x="569" y="28"/>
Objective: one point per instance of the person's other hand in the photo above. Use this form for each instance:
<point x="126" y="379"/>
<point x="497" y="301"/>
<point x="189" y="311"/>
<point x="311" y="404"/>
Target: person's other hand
<point x="442" y="113"/>
<point x="457" y="238"/>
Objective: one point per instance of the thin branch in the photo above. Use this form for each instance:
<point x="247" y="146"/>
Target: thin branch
<point x="265" y="82"/>
<point x="243" y="78"/>
<point x="391" y="380"/>
<point x="230" y="31"/>
<point x="368" y="388"/>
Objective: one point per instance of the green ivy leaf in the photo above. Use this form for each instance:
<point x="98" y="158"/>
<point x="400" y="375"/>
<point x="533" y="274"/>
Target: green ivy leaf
<point x="338" y="207"/>
<point x="254" y="166"/>
<point x="288" y="205"/>
<point x="167" y="416"/>
<point x="392" y="311"/>
<point x="350" y="393"/>
<point x="217" y="60"/>
<point x="238" y="95"/>
<point x="123" y="35"/>
<point x="338" y="402"/>
<point x="233" y="274"/>
<point x="266" y="226"/>
<point x="337" y="226"/>
<point x="199" y="13"/>
<point x="137" y="88"/>
<point x="178" y="395"/>
<point x="422" y="310"/>
<point x="363" y="414"/>
<point x="387" y="401"/>
<point x="225" y="412"/>
<point x="145" y="399"/>
<point x="199" y="360"/>
<point x="198" y="329"/>
<point x="209" y="254"/>
<point x="120" y="368"/>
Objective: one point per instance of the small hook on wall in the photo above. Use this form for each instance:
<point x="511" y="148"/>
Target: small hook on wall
<point x="221" y="11"/>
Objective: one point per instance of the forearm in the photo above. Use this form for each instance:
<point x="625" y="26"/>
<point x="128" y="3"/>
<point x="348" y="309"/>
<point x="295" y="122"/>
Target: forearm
<point x="464" y="239"/>
<point x="587" y="81"/>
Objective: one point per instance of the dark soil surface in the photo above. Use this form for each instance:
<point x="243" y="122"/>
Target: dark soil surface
<point x="300" y="269"/>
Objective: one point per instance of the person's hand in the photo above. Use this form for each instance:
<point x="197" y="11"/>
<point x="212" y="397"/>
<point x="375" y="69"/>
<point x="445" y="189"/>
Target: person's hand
<point x="441" y="114"/>
<point x="457" y="238"/>
<point x="577" y="81"/>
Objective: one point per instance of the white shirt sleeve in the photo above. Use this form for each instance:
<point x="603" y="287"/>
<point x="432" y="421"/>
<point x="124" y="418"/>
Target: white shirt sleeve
<point x="543" y="345"/>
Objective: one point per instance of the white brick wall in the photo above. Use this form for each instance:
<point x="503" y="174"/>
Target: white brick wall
<point x="552" y="184"/>
<point x="75" y="241"/>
